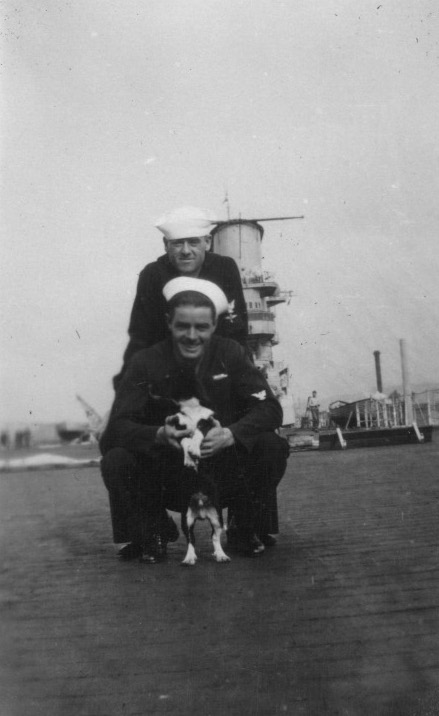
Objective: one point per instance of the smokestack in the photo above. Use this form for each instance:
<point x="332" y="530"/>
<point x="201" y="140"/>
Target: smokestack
<point x="378" y="371"/>
<point x="408" y="407"/>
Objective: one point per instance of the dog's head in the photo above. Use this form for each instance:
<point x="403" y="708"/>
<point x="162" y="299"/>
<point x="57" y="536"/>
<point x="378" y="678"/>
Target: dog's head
<point x="200" y="501"/>
<point x="193" y="416"/>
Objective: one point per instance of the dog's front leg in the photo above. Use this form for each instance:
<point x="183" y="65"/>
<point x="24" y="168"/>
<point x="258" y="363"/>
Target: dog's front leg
<point x="217" y="529"/>
<point x="188" y="524"/>
<point x="194" y="447"/>
<point x="188" y="460"/>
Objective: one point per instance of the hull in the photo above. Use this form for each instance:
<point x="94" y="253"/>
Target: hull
<point x="70" y="431"/>
<point x="374" y="437"/>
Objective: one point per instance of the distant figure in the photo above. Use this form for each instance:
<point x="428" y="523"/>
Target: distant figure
<point x="313" y="406"/>
<point x="5" y="440"/>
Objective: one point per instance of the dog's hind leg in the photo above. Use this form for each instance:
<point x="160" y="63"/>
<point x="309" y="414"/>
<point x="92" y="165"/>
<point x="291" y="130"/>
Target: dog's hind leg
<point x="217" y="529"/>
<point x="188" y="525"/>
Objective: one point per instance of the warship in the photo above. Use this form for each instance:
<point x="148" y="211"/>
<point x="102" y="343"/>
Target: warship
<point x="241" y="239"/>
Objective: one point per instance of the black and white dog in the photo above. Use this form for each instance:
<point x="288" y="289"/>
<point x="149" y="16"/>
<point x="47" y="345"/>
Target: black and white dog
<point x="200" y="494"/>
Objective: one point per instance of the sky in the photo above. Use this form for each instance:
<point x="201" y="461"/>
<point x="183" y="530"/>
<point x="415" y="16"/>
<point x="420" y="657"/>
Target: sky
<point x="115" y="113"/>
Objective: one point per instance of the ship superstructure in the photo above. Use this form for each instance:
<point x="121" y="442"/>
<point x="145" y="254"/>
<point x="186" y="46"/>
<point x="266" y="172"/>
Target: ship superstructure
<point x="241" y="239"/>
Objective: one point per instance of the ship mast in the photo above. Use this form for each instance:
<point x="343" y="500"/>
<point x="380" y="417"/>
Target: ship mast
<point x="241" y="240"/>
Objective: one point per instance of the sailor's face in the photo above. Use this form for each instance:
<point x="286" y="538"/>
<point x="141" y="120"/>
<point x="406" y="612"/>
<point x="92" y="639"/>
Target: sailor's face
<point x="191" y="328"/>
<point x="187" y="255"/>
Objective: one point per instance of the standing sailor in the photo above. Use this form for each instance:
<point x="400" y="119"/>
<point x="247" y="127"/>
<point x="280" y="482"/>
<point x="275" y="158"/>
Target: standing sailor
<point x="313" y="406"/>
<point x="187" y="240"/>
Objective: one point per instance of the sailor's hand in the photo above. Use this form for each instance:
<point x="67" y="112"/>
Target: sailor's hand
<point x="168" y="434"/>
<point x="217" y="439"/>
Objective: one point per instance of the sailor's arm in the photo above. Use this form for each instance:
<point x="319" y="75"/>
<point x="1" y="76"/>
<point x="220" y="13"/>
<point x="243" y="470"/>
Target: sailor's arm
<point x="127" y="426"/>
<point x="218" y="438"/>
<point x="260" y="411"/>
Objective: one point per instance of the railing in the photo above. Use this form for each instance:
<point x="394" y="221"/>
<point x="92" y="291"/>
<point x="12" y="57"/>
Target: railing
<point x="386" y="412"/>
<point x="426" y="407"/>
<point x="280" y="296"/>
<point x="260" y="315"/>
<point x="368" y="413"/>
<point x="257" y="277"/>
<point x="379" y="413"/>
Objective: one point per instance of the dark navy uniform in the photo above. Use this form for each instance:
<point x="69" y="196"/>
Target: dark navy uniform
<point x="148" y="316"/>
<point x="134" y="467"/>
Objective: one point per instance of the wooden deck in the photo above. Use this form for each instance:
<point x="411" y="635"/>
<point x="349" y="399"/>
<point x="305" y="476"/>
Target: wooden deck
<point x="340" y="619"/>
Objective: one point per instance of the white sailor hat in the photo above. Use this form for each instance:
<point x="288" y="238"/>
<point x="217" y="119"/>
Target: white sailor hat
<point x="185" y="222"/>
<point x="208" y="288"/>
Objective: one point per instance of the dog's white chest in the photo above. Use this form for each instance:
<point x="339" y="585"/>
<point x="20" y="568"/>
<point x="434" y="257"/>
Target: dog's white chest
<point x="191" y="413"/>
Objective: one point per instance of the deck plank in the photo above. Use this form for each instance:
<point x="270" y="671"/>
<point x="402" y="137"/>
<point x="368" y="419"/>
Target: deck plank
<point x="341" y="618"/>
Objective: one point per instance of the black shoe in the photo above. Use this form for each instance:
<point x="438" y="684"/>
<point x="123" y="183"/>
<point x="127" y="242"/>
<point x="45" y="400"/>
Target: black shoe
<point x="130" y="551"/>
<point x="247" y="546"/>
<point x="171" y="533"/>
<point x="268" y="540"/>
<point x="154" y="550"/>
<point x="232" y="536"/>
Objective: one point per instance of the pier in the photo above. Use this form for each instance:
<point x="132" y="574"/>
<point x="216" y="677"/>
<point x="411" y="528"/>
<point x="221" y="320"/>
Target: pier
<point x="341" y="618"/>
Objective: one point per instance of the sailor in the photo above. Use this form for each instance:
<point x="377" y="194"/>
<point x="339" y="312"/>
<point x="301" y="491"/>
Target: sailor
<point x="187" y="240"/>
<point x="313" y="406"/>
<point x="142" y="463"/>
